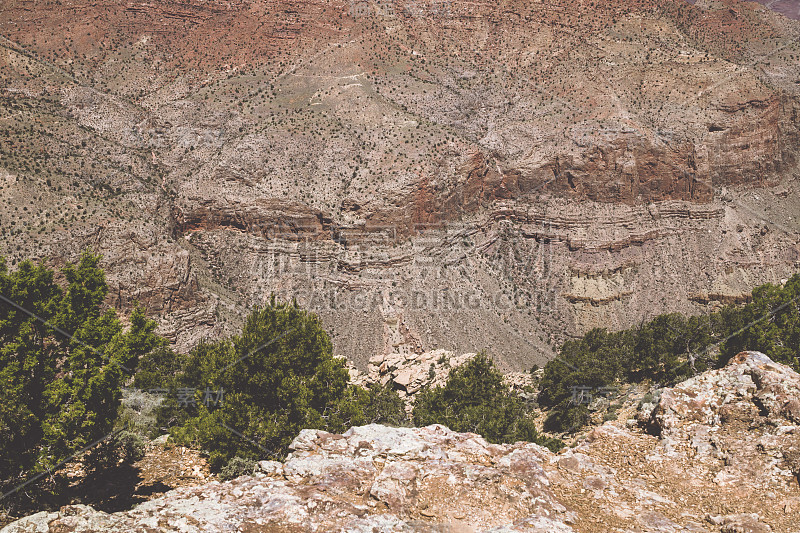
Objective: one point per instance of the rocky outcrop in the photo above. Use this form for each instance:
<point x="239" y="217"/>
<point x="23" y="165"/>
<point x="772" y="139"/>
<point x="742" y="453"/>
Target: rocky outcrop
<point x="724" y="457"/>
<point x="725" y="460"/>
<point x="268" y="219"/>
<point x="371" y="478"/>
<point x="408" y="372"/>
<point x="741" y="422"/>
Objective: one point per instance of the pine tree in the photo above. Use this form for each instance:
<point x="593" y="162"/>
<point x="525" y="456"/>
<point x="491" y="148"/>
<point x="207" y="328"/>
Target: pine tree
<point x="476" y="400"/>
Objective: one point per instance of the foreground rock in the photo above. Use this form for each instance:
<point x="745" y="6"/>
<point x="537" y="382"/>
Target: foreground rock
<point x="372" y="478"/>
<point x="740" y="423"/>
<point x="724" y="460"/>
<point x="720" y="455"/>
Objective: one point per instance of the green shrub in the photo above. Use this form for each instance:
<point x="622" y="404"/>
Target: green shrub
<point x="671" y="348"/>
<point x="567" y="418"/>
<point x="594" y="361"/>
<point x="159" y="369"/>
<point x="61" y="372"/>
<point x="162" y="371"/>
<point x="476" y="400"/>
<point x="124" y="448"/>
<point x="238" y="466"/>
<point x="278" y="376"/>
<point x="769" y="324"/>
<point x="382" y="405"/>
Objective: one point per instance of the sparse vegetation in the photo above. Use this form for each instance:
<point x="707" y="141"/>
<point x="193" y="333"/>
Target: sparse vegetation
<point x="670" y="348"/>
<point x="475" y="399"/>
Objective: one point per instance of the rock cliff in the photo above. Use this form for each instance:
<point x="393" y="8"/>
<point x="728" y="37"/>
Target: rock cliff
<point x="476" y="175"/>
<point x="724" y="458"/>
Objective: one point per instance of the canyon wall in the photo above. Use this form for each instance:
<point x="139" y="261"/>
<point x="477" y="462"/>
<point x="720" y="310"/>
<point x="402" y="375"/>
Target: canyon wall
<point x="459" y="176"/>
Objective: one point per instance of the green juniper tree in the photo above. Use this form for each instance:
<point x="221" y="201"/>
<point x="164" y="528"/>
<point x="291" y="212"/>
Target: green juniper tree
<point x="769" y="324"/>
<point x="475" y="399"/>
<point x="670" y="348"/>
<point x="278" y="376"/>
<point x="62" y="363"/>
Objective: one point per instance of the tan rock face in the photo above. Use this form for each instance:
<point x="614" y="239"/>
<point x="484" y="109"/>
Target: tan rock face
<point x="721" y="460"/>
<point x="370" y="478"/>
<point x="489" y="175"/>
<point x="742" y="419"/>
<point x="715" y="468"/>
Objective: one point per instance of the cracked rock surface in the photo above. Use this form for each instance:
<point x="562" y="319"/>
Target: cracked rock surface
<point x="709" y="469"/>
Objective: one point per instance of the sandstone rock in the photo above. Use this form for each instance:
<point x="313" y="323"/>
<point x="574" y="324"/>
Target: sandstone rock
<point x="270" y="468"/>
<point x="740" y="420"/>
<point x="713" y="468"/>
<point x="712" y="452"/>
<point x="371" y="478"/>
<point x="35" y="523"/>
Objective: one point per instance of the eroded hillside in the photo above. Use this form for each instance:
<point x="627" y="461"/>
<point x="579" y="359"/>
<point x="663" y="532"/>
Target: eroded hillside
<point x="425" y="175"/>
